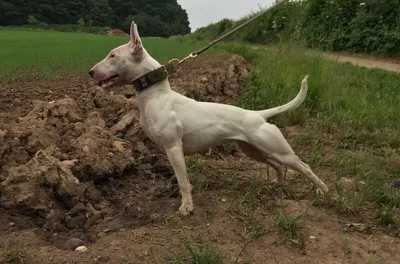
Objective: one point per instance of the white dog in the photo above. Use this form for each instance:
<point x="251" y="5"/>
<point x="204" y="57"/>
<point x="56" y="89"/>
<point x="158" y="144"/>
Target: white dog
<point x="181" y="126"/>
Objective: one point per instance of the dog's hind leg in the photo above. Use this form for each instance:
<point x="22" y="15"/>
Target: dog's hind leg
<point x="258" y="155"/>
<point x="176" y="158"/>
<point x="269" y="139"/>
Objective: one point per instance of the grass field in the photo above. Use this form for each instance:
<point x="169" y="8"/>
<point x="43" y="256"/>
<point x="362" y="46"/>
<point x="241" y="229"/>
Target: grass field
<point x="349" y="124"/>
<point x="25" y="54"/>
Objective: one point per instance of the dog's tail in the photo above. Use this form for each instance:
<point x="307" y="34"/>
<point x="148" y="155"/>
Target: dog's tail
<point x="296" y="102"/>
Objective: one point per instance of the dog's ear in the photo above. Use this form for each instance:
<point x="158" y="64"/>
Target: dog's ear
<point x="135" y="42"/>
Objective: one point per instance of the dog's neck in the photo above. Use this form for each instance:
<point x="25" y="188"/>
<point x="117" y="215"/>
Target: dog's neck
<point x="149" y="64"/>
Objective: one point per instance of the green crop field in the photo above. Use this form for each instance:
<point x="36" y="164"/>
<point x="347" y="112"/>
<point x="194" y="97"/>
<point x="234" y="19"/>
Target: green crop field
<point x="27" y="54"/>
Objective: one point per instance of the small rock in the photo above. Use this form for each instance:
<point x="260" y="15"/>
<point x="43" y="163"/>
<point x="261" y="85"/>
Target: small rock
<point x="86" y="149"/>
<point x="17" y="101"/>
<point x="312" y="237"/>
<point x="73" y="243"/>
<point x="11" y="224"/>
<point x="346" y="184"/>
<point x="204" y="79"/>
<point x="81" y="249"/>
<point x="397" y="183"/>
<point x="119" y="146"/>
<point x="101" y="234"/>
<point x="69" y="163"/>
<point x="223" y="200"/>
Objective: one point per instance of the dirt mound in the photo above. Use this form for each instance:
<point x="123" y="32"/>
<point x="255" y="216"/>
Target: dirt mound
<point x="116" y="32"/>
<point x="217" y="82"/>
<point x="64" y="163"/>
<point x="61" y="125"/>
<point x="37" y="187"/>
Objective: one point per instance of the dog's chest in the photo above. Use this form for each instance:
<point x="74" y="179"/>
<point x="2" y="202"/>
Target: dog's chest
<point x="154" y="130"/>
<point x="144" y="124"/>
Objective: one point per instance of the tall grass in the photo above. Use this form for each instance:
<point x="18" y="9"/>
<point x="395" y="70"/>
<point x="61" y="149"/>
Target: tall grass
<point x="25" y="54"/>
<point x="338" y="93"/>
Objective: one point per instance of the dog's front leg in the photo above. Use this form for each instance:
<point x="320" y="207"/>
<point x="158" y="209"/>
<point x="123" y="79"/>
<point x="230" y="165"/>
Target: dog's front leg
<point x="176" y="158"/>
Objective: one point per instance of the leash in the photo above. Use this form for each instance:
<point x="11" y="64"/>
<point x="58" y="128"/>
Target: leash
<point x="212" y="43"/>
<point x="165" y="71"/>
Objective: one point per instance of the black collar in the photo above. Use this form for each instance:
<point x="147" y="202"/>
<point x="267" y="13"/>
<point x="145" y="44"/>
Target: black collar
<point x="153" y="77"/>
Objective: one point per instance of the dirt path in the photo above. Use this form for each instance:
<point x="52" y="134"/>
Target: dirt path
<point x="356" y="60"/>
<point x="367" y="62"/>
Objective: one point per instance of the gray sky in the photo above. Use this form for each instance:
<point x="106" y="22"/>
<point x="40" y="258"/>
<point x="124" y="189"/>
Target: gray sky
<point x="204" y="12"/>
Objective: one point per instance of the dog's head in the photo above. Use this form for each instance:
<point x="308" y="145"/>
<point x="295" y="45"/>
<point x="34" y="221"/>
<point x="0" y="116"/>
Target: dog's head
<point x="123" y="64"/>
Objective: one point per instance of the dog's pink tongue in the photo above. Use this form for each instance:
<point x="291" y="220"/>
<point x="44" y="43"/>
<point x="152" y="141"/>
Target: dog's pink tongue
<point x="109" y="82"/>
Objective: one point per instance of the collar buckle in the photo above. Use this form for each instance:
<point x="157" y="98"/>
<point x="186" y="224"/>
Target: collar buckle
<point x="165" y="70"/>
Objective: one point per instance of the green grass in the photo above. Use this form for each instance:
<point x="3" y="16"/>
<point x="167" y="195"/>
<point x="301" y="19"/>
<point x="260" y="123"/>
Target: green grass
<point x="26" y="54"/>
<point x="289" y="225"/>
<point x="338" y="93"/>
<point x="8" y="255"/>
<point x="345" y="243"/>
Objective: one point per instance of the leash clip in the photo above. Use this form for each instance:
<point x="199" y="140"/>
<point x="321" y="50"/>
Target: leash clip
<point x="190" y="56"/>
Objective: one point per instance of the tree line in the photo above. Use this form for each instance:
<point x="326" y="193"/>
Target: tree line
<point x="160" y="18"/>
<point x="365" y="26"/>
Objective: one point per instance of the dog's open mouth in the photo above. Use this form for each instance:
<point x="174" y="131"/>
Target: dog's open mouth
<point x="109" y="82"/>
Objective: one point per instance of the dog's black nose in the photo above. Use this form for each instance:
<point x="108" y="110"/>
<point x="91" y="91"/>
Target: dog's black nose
<point x="91" y="72"/>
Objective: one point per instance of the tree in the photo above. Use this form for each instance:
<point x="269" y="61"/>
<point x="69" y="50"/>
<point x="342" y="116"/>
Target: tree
<point x="155" y="17"/>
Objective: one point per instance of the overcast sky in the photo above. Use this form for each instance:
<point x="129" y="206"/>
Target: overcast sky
<point x="204" y="12"/>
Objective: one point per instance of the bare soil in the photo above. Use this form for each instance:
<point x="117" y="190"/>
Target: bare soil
<point x="116" y="32"/>
<point x="76" y="169"/>
<point x="365" y="61"/>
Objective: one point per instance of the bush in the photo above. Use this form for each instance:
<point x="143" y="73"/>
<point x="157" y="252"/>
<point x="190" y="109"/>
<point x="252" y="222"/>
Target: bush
<point x="365" y="26"/>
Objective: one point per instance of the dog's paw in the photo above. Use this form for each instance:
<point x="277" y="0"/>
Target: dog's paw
<point x="186" y="209"/>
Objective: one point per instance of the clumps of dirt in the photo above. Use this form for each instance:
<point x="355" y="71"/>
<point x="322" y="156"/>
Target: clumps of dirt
<point x="71" y="162"/>
<point x="216" y="81"/>
<point x="40" y="186"/>
<point x="116" y="32"/>
<point x="62" y="125"/>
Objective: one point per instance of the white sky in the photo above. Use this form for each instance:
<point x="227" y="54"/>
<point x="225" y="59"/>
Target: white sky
<point x="204" y="12"/>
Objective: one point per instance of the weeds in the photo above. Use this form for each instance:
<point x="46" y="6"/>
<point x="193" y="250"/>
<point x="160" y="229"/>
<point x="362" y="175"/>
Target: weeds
<point x="11" y="255"/>
<point x="204" y="254"/>
<point x="196" y="252"/>
<point x="345" y="243"/>
<point x="290" y="226"/>
<point x="386" y="216"/>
